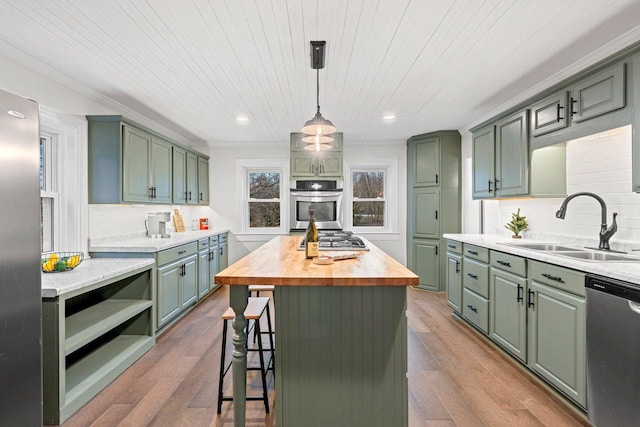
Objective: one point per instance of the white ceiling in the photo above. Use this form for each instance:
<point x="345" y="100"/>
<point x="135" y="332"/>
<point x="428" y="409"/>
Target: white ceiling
<point x="194" y="66"/>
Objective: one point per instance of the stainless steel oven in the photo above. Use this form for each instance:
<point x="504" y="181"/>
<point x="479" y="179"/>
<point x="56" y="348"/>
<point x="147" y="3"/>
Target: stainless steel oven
<point x="324" y="197"/>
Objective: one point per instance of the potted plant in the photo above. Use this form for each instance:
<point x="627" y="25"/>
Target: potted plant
<point x="517" y="224"/>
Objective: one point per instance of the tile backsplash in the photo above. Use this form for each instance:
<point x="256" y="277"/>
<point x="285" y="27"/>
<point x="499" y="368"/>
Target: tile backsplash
<point x="600" y="164"/>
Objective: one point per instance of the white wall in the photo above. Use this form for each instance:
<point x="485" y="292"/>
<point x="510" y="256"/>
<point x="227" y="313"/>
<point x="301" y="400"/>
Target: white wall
<point x="599" y="164"/>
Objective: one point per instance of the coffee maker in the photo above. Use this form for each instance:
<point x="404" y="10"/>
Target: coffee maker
<point x="156" y="224"/>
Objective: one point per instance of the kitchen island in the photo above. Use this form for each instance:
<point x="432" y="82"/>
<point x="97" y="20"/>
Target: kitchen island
<point x="341" y="335"/>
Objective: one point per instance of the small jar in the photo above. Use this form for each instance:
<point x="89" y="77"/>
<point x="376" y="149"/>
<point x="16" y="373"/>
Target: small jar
<point x="194" y="225"/>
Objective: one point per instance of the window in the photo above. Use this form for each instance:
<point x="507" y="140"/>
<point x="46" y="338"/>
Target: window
<point x="369" y="204"/>
<point x="264" y="199"/>
<point x="48" y="194"/>
<point x="264" y="202"/>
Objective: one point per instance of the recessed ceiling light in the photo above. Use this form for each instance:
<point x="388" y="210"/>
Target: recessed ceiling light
<point x="242" y="119"/>
<point x="389" y="117"/>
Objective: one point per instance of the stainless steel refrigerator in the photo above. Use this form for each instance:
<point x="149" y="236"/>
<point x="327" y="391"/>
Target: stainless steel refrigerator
<point x="20" y="289"/>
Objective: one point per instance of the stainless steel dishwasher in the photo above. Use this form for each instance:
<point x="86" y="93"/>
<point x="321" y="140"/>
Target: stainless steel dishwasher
<point x="613" y="352"/>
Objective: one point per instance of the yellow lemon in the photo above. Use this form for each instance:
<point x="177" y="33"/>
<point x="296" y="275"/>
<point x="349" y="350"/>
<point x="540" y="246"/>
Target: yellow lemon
<point x="53" y="257"/>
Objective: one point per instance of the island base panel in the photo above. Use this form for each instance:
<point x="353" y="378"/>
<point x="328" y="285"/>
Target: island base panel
<point x="341" y="356"/>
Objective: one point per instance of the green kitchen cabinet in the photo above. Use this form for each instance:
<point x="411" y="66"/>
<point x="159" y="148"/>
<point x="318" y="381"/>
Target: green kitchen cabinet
<point x="305" y="164"/>
<point x="223" y="251"/>
<point x="192" y="178"/>
<point x="508" y="312"/>
<point x="189" y="281"/>
<point x="426" y="260"/>
<point x="203" y="180"/>
<point x="501" y="158"/>
<point x="454" y="281"/>
<point x="169" y="303"/>
<point x="557" y="328"/>
<point x="177" y="281"/>
<point x="598" y="94"/>
<point x="204" y="267"/>
<point x="550" y="114"/>
<point x="213" y="261"/>
<point x="433" y="203"/>
<point x="179" y="176"/>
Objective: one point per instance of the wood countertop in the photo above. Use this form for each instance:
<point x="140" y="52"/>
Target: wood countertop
<point x="279" y="263"/>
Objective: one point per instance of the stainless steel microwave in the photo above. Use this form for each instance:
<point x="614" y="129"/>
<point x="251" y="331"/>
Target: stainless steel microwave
<point x="324" y="197"/>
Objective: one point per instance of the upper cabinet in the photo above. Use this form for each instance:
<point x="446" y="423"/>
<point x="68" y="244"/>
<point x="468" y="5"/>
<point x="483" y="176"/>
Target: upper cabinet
<point x="426" y="162"/>
<point x="203" y="180"/>
<point x="307" y="164"/>
<point x="129" y="164"/>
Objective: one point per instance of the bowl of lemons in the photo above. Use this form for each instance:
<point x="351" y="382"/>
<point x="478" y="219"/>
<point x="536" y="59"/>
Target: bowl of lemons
<point x="56" y="262"/>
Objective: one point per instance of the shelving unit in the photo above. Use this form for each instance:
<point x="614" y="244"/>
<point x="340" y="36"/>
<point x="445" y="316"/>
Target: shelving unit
<point x="91" y="335"/>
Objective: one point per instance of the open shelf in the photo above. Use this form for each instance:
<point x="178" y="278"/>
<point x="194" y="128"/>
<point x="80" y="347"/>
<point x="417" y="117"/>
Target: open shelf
<point x="86" y="325"/>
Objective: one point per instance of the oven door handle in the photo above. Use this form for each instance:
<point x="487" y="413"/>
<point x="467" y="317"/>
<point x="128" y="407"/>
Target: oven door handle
<point x="316" y="193"/>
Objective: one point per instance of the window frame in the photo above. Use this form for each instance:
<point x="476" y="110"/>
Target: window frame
<point x="243" y="169"/>
<point x="50" y="221"/>
<point x="390" y="170"/>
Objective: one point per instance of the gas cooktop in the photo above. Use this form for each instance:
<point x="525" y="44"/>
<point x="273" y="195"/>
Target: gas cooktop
<point x="337" y="240"/>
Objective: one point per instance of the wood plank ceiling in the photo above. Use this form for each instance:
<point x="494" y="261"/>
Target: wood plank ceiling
<point x="195" y="66"/>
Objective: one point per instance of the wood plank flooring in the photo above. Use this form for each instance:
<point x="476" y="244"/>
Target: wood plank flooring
<point x="455" y="378"/>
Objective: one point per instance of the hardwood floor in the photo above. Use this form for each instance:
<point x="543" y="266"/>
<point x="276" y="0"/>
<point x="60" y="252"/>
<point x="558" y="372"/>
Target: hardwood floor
<point x="455" y="378"/>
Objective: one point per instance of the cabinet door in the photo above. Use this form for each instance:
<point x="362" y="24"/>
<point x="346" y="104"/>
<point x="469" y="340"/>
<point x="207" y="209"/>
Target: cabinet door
<point x="426" y="264"/>
<point x="483" y="160"/>
<point x="303" y="164"/>
<point x="213" y="266"/>
<point x="512" y="156"/>
<point x="136" y="184"/>
<point x="161" y="169"/>
<point x="169" y="301"/>
<point x="203" y="181"/>
<point x="190" y="280"/>
<point x="330" y="164"/>
<point x="223" y="256"/>
<point x="550" y="114"/>
<point x="427" y="163"/>
<point x="203" y="273"/>
<point x="454" y="281"/>
<point x="557" y="333"/>
<point x="598" y="94"/>
<point x="426" y="205"/>
<point x="192" y="178"/>
<point x="179" y="176"/>
<point x="508" y="313"/>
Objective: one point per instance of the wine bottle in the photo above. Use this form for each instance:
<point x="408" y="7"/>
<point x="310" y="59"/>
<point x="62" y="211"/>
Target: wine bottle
<point x="311" y="241"/>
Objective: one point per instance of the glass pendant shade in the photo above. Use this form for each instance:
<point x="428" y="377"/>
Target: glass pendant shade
<point x="318" y="139"/>
<point x="317" y="147"/>
<point x="318" y="125"/>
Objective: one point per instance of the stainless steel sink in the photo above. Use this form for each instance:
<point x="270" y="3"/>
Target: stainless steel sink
<point x="598" y="256"/>
<point x="547" y="247"/>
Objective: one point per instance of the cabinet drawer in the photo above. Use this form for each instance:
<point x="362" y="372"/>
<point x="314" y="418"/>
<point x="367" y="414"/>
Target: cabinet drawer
<point x="558" y="277"/>
<point x="475" y="276"/>
<point x="477" y="252"/>
<point x="176" y="253"/>
<point x="453" y="246"/>
<point x="222" y="238"/>
<point x="213" y="240"/>
<point x="203" y="244"/>
<point x="507" y="262"/>
<point x="476" y="310"/>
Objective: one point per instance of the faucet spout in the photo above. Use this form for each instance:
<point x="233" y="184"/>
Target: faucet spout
<point x="605" y="231"/>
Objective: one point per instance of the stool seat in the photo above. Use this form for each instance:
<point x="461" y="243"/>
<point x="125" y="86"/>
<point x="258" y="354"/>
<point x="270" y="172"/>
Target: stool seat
<point x="254" y="310"/>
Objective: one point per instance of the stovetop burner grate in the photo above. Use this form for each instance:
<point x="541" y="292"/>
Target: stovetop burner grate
<point x="337" y="240"/>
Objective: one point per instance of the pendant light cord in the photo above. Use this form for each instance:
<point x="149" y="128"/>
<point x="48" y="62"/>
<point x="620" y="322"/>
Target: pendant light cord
<point x="318" y="88"/>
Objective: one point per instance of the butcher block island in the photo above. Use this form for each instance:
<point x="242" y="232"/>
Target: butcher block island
<point x="341" y="335"/>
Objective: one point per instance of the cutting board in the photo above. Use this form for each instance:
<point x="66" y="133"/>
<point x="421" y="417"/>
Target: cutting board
<point x="178" y="222"/>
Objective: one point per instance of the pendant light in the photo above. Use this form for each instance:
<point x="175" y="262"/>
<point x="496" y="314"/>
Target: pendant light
<point x="318" y="128"/>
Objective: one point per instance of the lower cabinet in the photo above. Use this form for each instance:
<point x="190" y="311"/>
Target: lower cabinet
<point x="508" y="318"/>
<point x="454" y="281"/>
<point x="475" y="286"/>
<point x="177" y="281"/>
<point x="426" y="263"/>
<point x="90" y="336"/>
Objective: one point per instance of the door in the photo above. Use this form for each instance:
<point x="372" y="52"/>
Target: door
<point x="598" y="94"/>
<point x="161" y="169"/>
<point x="213" y="266"/>
<point x="192" y="178"/>
<point x="136" y="185"/>
<point x="512" y="156"/>
<point x="189" y="280"/>
<point x="483" y="146"/>
<point x="427" y="162"/>
<point x="302" y="164"/>
<point x="557" y="337"/>
<point x="454" y="281"/>
<point x="179" y="176"/>
<point x="550" y="114"/>
<point x="169" y="302"/>
<point x="426" y="264"/>
<point x="508" y="314"/>
<point x="426" y="215"/>
<point x="330" y="164"/>
<point x="203" y="181"/>
<point x="203" y="273"/>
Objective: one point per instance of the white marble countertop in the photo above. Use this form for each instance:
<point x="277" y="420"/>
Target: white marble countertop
<point x="89" y="272"/>
<point x="141" y="243"/>
<point x="627" y="271"/>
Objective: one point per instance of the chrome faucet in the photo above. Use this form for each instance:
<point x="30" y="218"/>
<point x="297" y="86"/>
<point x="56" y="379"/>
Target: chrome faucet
<point x="605" y="233"/>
